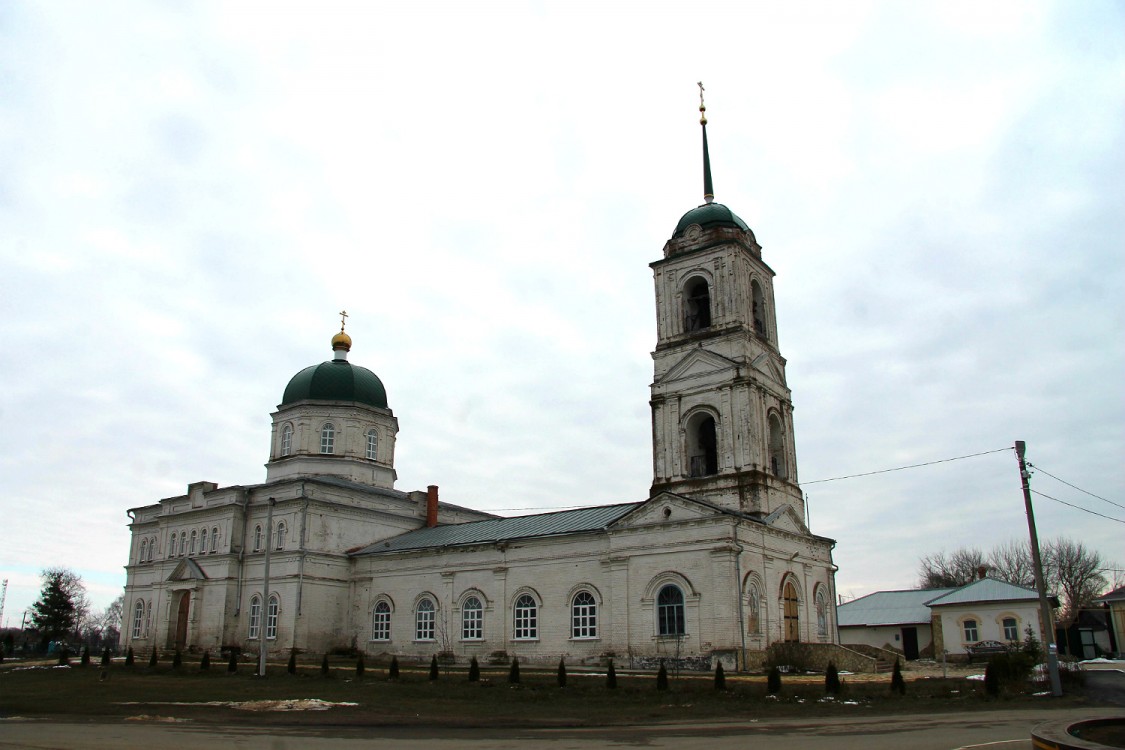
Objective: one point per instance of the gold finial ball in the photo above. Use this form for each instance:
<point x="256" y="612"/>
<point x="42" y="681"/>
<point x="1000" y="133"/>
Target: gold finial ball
<point x="342" y="341"/>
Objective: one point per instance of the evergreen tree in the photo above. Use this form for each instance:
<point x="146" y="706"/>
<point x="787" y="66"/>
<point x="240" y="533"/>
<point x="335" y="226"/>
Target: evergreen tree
<point x="773" y="681"/>
<point x="85" y="659"/>
<point x="292" y="666"/>
<point x="177" y="660"/>
<point x="831" y="679"/>
<point x="474" y="670"/>
<point x="359" y="665"/>
<point x="514" y="671"/>
<point x="561" y="677"/>
<point x="205" y="662"/>
<point x="153" y="657"/>
<point x="720" y="677"/>
<point x="662" y="677"/>
<point x="61" y="605"/>
<point x="232" y="663"/>
<point x="433" y="668"/>
<point x="105" y="656"/>
<point x="392" y="673"/>
<point x="611" y="677"/>
<point x="898" y="685"/>
<point x="129" y="657"/>
<point x="324" y="666"/>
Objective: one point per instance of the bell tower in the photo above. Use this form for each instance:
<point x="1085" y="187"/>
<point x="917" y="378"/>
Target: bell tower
<point x="722" y="414"/>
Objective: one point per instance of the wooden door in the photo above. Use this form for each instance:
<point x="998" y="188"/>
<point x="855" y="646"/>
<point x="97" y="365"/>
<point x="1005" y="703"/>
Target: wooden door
<point x="790" y="609"/>
<point x="182" y="620"/>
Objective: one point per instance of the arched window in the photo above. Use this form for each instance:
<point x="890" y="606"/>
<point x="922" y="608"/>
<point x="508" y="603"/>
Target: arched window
<point x="286" y="440"/>
<point x="697" y="305"/>
<point x="472" y="620"/>
<point x="328" y="438"/>
<point x="172" y="546"/>
<point x="1011" y="629"/>
<point x="191" y="550"/>
<point x="381" y="622"/>
<point x="753" y="609"/>
<point x="791" y="608"/>
<point x="214" y="537"/>
<point x="526" y="618"/>
<point x="777" y="448"/>
<point x="183" y="543"/>
<point x="759" y="309"/>
<point x="144" y="551"/>
<point x="148" y="618"/>
<point x="271" y="616"/>
<point x="670" y="611"/>
<point x="702" y="445"/>
<point x="821" y="613"/>
<point x="424" y="620"/>
<point x="372" y="444"/>
<point x="583" y="616"/>
<point x="138" y="617"/>
<point x="280" y="535"/>
<point x="255" y="616"/>
<point x="203" y="542"/>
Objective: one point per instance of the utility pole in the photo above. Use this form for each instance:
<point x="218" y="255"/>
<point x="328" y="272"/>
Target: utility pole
<point x="1040" y="583"/>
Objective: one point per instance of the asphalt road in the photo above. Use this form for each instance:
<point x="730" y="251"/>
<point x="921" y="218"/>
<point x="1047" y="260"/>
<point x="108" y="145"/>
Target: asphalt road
<point x="995" y="730"/>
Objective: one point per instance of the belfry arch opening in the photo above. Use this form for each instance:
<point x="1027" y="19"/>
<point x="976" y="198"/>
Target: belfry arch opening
<point x="759" y="310"/>
<point x="697" y="305"/>
<point x="777" y="448"/>
<point x="702" y="446"/>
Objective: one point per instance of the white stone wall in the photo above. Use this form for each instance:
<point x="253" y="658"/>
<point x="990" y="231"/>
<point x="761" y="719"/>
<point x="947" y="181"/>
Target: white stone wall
<point x="989" y="617"/>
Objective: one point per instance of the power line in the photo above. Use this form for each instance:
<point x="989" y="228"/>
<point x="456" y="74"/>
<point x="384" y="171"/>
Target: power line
<point x="911" y="466"/>
<point x="1068" y="484"/>
<point x="1078" y="507"/>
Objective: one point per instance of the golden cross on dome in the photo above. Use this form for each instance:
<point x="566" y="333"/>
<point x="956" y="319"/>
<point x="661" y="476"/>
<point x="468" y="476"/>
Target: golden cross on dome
<point x="343" y="317"/>
<point x="702" y="106"/>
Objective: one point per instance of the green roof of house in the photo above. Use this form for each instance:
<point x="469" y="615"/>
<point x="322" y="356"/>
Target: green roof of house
<point x="336" y="380"/>
<point x="888" y="608"/>
<point x="708" y="216"/>
<point x="985" y="590"/>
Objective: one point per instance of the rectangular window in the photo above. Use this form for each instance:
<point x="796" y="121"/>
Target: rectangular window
<point x="584" y="616"/>
<point x="472" y="623"/>
<point x="1011" y="629"/>
<point x="971" y="633"/>
<point x="527" y="620"/>
<point x="424" y="621"/>
<point x="381" y="622"/>
<point x="255" y="617"/>
<point x="271" y="618"/>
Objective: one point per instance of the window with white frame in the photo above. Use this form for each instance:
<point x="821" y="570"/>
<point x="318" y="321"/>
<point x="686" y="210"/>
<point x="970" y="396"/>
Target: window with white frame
<point x="280" y="537"/>
<point x="670" y="611"/>
<point x="191" y="549"/>
<point x="138" y="617"/>
<point x="526" y="618"/>
<point x="258" y="538"/>
<point x="583" y="616"/>
<point x="151" y="549"/>
<point x="214" y="537"/>
<point x="381" y="622"/>
<point x="203" y="542"/>
<point x="972" y="635"/>
<point x="172" y="546"/>
<point x="372" y="444"/>
<point x="183" y="543"/>
<point x="1011" y="629"/>
<point x="424" y="620"/>
<point x="286" y="440"/>
<point x="255" y="616"/>
<point x="144" y="550"/>
<point x="328" y="438"/>
<point x="271" y="616"/>
<point x="472" y="620"/>
<point x="148" y="618"/>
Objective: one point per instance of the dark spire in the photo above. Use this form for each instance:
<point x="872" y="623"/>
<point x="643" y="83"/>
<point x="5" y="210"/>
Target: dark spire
<point x="708" y="190"/>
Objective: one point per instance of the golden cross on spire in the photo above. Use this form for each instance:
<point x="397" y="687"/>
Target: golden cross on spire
<point x="702" y="106"/>
<point x="343" y="317"/>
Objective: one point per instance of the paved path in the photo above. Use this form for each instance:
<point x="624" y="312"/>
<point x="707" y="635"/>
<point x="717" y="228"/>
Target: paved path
<point x="992" y="730"/>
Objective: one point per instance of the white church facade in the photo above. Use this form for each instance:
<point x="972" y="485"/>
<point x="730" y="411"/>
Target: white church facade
<point x="714" y="563"/>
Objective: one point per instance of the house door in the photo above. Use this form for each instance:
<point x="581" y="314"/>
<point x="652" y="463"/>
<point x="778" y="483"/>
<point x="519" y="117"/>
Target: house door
<point x="790" y="608"/>
<point x="910" y="643"/>
<point x="182" y="620"/>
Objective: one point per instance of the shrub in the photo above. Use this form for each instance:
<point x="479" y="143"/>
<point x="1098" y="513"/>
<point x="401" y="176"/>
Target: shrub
<point x="474" y="670"/>
<point x="153" y="657"/>
<point x="773" y="681"/>
<point x="561" y="677"/>
<point x="359" y="666"/>
<point x="433" y="668"/>
<point x="85" y="660"/>
<point x="831" y="679"/>
<point x="324" y="666"/>
<point x="177" y="660"/>
<point x="291" y="667"/>
<point x="611" y="677"/>
<point x="898" y="685"/>
<point x="392" y="673"/>
<point x="129" y="657"/>
<point x="205" y="662"/>
<point x="105" y="657"/>
<point x="514" y="671"/>
<point x="991" y="680"/>
<point x="720" y="677"/>
<point x="662" y="677"/>
<point x="232" y="664"/>
<point x="64" y="656"/>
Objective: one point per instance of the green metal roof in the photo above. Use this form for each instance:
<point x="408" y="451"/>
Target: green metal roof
<point x="710" y="215"/>
<point x="495" y="530"/>
<point x="336" y="380"/>
<point x="889" y="608"/>
<point x="985" y="590"/>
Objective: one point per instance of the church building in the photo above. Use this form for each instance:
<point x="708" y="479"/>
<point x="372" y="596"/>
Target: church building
<point x="715" y="562"/>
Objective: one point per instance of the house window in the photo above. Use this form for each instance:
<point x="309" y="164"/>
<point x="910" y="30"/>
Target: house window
<point x="424" y="620"/>
<point x="138" y="617"/>
<point x="381" y="622"/>
<point x="214" y="537"/>
<point x="472" y="620"/>
<point x="527" y="618"/>
<point x="372" y="444"/>
<point x="203" y="542"/>
<point x="192" y="548"/>
<point x="670" y="611"/>
<point x="328" y="438"/>
<point x="697" y="305"/>
<point x="753" y="611"/>
<point x="255" y="617"/>
<point x="258" y="538"/>
<point x="584" y="616"/>
<point x="972" y="635"/>
<point x="271" y="617"/>
<point x="286" y="440"/>
<point x="144" y="550"/>
<point x="1011" y="629"/>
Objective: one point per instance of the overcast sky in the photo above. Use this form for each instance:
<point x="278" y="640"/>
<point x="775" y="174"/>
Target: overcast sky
<point x="189" y="192"/>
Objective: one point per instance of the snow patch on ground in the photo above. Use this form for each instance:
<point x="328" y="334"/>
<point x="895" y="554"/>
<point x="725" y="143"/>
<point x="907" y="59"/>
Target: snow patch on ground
<point x="294" y="704"/>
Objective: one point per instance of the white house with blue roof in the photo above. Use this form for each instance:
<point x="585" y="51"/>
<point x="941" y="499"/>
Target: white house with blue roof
<point x="713" y="561"/>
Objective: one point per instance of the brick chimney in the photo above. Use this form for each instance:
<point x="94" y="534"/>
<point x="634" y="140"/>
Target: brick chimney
<point x="982" y="572"/>
<point x="431" y="506"/>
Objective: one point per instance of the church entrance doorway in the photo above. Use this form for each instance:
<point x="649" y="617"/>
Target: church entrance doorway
<point x="182" y="620"/>
<point x="790" y="613"/>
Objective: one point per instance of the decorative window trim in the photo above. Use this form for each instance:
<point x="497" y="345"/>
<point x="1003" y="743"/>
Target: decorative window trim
<point x="671" y="614"/>
<point x="472" y="617"/>
<point x="381" y="619"/>
<point x="425" y="618"/>
<point x="138" y="618"/>
<point x="194" y="539"/>
<point x="144" y="551"/>
<point x="258" y="538"/>
<point x="279" y="535"/>
<point x="203" y="542"/>
<point x="752" y="599"/>
<point x="214" y="538"/>
<point x="525" y="616"/>
<point x="584" y="616"/>
<point x="255" y="619"/>
<point x="963" y="624"/>
<point x="273" y="615"/>
<point x="286" y="440"/>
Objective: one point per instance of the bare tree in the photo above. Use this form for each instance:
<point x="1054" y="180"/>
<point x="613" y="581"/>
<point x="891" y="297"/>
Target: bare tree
<point x="1077" y="574"/>
<point x="943" y="570"/>
<point x="1011" y="562"/>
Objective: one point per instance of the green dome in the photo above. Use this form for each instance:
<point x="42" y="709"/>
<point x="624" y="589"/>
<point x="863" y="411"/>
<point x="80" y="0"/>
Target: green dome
<point x="336" y="380"/>
<point x="710" y="216"/>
